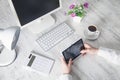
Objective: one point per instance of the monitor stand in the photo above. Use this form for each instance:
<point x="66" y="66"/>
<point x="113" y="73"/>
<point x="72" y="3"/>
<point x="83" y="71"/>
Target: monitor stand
<point x="42" y="24"/>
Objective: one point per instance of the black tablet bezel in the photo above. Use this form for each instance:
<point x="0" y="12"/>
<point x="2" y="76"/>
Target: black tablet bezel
<point x="82" y="47"/>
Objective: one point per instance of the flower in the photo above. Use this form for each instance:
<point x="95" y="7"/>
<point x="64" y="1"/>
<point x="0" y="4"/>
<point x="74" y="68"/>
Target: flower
<point x="73" y="14"/>
<point x="85" y="5"/>
<point x="72" y="6"/>
<point x="65" y="13"/>
<point x="77" y="10"/>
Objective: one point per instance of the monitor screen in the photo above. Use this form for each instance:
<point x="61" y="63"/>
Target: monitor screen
<point x="29" y="10"/>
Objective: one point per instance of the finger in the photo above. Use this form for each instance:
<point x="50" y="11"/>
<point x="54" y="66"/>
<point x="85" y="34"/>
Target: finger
<point x="83" y="52"/>
<point x="62" y="60"/>
<point x="87" y="45"/>
<point x="70" y="62"/>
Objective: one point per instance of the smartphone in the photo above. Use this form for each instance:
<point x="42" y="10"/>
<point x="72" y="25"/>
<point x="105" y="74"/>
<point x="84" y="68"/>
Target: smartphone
<point x="73" y="51"/>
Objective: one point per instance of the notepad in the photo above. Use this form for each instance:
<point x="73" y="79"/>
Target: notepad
<point x="40" y="63"/>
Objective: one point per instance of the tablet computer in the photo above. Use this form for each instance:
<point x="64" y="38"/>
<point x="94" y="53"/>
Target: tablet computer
<point x="73" y="51"/>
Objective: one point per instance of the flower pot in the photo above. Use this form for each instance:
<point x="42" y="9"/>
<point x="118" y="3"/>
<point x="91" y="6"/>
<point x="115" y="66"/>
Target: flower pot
<point x="77" y="19"/>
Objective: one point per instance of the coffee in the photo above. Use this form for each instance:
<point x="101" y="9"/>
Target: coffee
<point x="92" y="28"/>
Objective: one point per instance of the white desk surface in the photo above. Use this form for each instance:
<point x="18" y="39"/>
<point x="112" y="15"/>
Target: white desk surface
<point x="105" y="14"/>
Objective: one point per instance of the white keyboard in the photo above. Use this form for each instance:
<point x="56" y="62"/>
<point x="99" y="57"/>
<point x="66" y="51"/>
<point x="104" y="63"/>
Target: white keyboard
<point x="54" y="36"/>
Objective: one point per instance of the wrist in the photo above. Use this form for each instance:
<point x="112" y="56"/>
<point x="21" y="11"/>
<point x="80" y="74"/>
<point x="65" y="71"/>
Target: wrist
<point x="66" y="72"/>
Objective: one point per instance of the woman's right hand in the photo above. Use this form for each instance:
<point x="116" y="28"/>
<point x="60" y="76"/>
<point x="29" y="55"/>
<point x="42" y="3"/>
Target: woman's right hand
<point x="89" y="50"/>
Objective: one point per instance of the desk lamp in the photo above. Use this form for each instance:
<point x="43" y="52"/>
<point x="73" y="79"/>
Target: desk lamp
<point x="8" y="38"/>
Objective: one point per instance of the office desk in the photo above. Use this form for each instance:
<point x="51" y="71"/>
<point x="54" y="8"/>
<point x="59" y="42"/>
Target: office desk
<point x="105" y="14"/>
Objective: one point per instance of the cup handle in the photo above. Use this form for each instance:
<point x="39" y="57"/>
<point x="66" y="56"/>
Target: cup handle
<point x="97" y="32"/>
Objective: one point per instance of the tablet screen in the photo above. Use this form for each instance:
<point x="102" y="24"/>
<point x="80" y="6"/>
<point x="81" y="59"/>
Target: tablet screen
<point x="73" y="51"/>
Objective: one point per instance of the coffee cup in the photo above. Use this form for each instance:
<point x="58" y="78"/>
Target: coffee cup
<point x="92" y="32"/>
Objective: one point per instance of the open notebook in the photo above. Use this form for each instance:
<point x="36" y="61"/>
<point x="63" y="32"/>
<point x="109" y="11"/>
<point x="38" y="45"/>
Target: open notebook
<point x="40" y="63"/>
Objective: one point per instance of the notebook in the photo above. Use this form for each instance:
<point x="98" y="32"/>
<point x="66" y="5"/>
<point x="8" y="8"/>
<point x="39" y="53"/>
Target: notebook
<point x="40" y="63"/>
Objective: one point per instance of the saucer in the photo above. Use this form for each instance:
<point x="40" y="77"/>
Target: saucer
<point x="90" y="37"/>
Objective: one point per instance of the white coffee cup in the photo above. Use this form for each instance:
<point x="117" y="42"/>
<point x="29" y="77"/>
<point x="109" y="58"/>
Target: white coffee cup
<point x="92" y="32"/>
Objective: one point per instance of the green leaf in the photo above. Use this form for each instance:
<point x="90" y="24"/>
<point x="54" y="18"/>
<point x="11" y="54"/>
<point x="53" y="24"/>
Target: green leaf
<point x="70" y="12"/>
<point x="80" y="14"/>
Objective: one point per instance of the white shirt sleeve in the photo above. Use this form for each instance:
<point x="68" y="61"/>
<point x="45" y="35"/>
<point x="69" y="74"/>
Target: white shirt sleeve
<point x="65" y="77"/>
<point x="110" y="55"/>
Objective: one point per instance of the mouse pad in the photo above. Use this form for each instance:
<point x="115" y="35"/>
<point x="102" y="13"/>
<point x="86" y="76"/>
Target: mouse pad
<point x="73" y="51"/>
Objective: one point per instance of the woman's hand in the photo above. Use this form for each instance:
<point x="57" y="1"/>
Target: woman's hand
<point x="66" y="68"/>
<point x="89" y="50"/>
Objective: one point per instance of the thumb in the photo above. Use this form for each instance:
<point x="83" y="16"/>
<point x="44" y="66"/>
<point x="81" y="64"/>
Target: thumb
<point x="83" y="52"/>
<point x="70" y="62"/>
<point x="62" y="60"/>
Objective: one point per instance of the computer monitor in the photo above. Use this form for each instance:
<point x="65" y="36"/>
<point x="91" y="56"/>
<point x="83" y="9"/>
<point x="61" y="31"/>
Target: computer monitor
<point x="35" y="14"/>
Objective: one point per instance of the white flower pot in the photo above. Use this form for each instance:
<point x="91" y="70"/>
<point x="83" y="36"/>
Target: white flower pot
<point x="77" y="19"/>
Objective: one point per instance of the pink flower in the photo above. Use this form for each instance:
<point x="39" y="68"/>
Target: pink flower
<point x="72" y="6"/>
<point x="86" y="5"/>
<point x="73" y="14"/>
